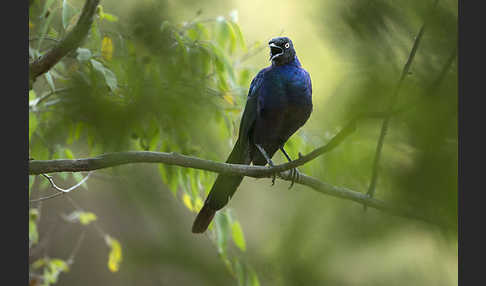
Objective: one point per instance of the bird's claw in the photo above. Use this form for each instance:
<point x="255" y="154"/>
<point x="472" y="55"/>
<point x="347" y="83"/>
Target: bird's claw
<point x="274" y="176"/>
<point x="294" y="176"/>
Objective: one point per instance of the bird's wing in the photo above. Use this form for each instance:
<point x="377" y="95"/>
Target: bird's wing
<point x="250" y="113"/>
<point x="225" y="186"/>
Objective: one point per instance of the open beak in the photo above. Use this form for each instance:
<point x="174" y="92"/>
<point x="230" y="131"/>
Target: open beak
<point x="275" y="51"/>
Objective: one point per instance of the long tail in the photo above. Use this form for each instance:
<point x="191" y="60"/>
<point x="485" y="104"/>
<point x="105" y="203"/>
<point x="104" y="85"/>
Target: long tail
<point x="203" y="219"/>
<point x="223" y="189"/>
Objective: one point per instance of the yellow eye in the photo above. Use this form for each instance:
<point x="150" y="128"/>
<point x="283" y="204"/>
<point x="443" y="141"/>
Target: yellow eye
<point x="287" y="45"/>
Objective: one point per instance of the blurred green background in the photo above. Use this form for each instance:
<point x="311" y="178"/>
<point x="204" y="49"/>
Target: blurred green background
<point x="182" y="72"/>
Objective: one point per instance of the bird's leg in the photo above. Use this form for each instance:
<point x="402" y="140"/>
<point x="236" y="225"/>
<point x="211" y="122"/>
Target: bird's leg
<point x="294" y="173"/>
<point x="269" y="161"/>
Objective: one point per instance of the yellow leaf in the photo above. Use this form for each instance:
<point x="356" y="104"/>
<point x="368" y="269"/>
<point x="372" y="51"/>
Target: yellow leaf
<point x="186" y="199"/>
<point x="228" y="99"/>
<point x="107" y="48"/>
<point x="115" y="256"/>
<point x="86" y="217"/>
<point x="198" y="205"/>
<point x="31" y="25"/>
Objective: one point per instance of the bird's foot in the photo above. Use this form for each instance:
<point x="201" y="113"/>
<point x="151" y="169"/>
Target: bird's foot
<point x="294" y="176"/>
<point x="269" y="161"/>
<point x="274" y="176"/>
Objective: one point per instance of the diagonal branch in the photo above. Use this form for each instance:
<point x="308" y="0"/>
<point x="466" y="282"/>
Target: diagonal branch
<point x="72" y="40"/>
<point x="386" y="120"/>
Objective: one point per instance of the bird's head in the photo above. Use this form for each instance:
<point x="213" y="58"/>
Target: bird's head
<point x="281" y="50"/>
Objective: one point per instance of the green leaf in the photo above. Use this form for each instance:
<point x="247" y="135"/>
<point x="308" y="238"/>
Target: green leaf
<point x="33" y="214"/>
<point x="222" y="232"/>
<point x="67" y="13"/>
<point x="239" y="36"/>
<point x="77" y="131"/>
<point x="226" y="34"/>
<point x="244" y="77"/>
<point x="95" y="33"/>
<point x="31" y="183"/>
<point x="181" y="45"/>
<point x="252" y="278"/>
<point x="47" y="5"/>
<point x="238" y="236"/>
<point x="58" y="264"/>
<point x="163" y="174"/>
<point x="53" y="33"/>
<point x="32" y="124"/>
<point x="33" y="234"/>
<point x="109" y="17"/>
<point x="239" y="271"/>
<point x="31" y="95"/>
<point x="39" y="263"/>
<point x="193" y="183"/>
<point x="115" y="256"/>
<point x="39" y="151"/>
<point x="223" y="65"/>
<point x="200" y="30"/>
<point x="110" y="77"/>
<point x="83" y="54"/>
<point x="50" y="81"/>
<point x="69" y="153"/>
<point x="53" y="267"/>
<point x="45" y="24"/>
<point x="174" y="185"/>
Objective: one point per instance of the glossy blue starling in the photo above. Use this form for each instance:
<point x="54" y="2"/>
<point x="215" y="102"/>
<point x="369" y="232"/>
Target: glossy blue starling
<point x="279" y="102"/>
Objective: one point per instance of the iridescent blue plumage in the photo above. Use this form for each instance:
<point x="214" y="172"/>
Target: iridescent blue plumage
<point x="279" y="103"/>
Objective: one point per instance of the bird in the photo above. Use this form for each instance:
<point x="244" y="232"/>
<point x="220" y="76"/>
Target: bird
<point x="279" y="102"/>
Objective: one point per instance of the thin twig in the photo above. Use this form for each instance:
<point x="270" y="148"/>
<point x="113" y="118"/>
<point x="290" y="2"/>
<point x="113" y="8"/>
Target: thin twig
<point x="46" y="198"/>
<point x="61" y="191"/>
<point x="66" y="190"/>
<point x="432" y="89"/>
<point x="77" y="246"/>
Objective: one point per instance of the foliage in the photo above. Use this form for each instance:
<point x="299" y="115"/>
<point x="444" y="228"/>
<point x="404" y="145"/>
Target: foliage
<point x="143" y="90"/>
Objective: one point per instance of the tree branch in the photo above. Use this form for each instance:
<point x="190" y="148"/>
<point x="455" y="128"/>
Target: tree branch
<point x="72" y="40"/>
<point x="121" y="158"/>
